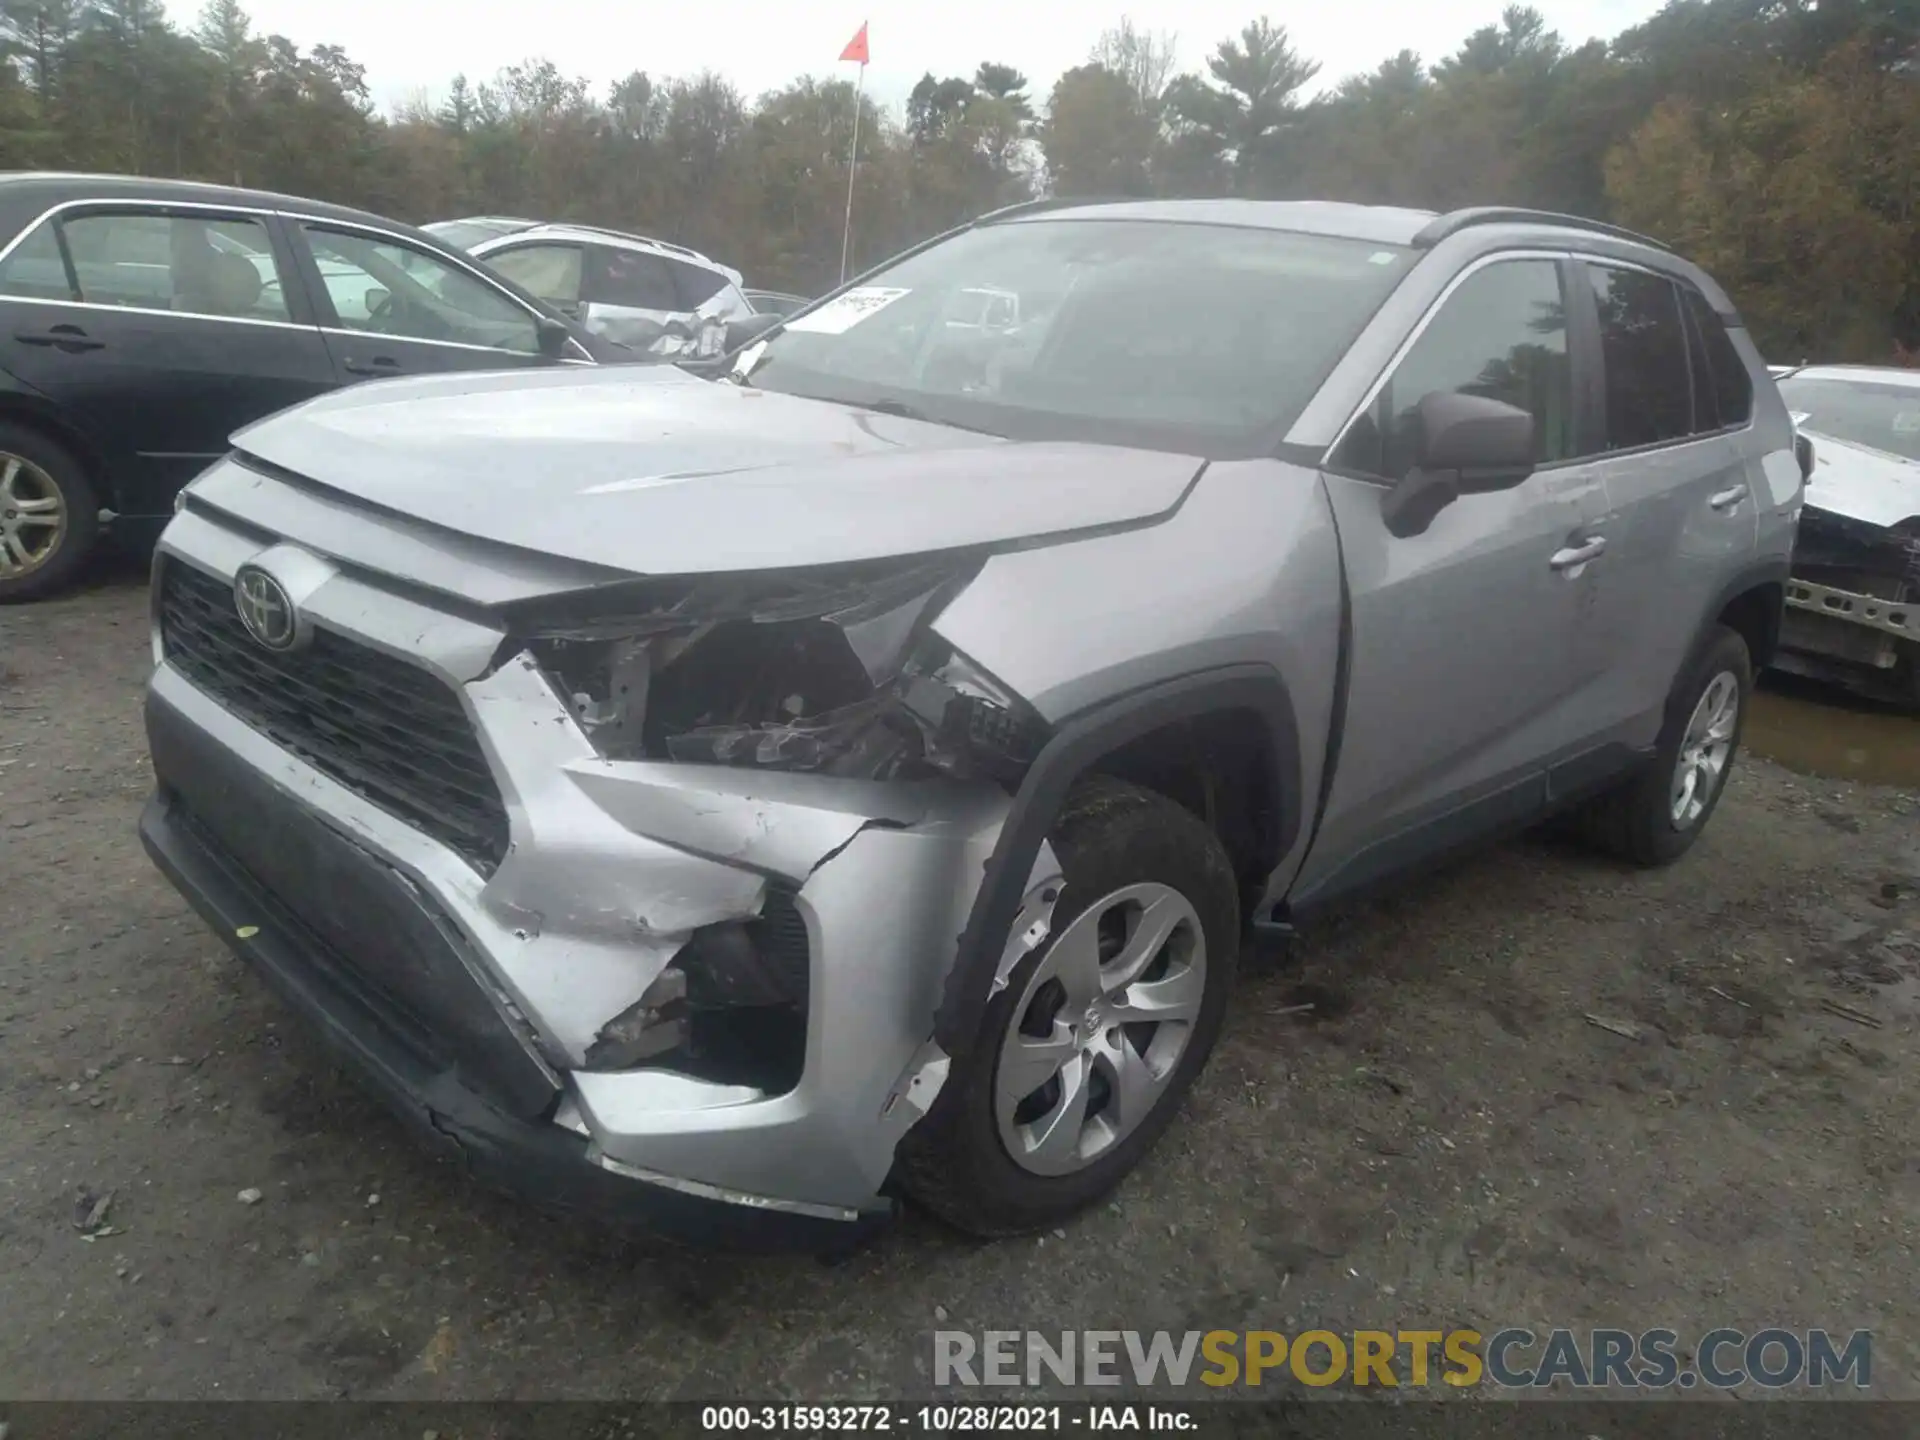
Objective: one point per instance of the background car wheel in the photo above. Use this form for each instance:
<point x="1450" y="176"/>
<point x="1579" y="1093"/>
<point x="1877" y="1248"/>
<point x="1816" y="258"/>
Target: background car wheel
<point x="1085" y="1055"/>
<point x="1655" y="818"/>
<point x="49" y="515"/>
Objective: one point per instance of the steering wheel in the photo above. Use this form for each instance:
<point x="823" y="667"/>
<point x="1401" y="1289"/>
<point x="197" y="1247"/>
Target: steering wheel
<point x="383" y="310"/>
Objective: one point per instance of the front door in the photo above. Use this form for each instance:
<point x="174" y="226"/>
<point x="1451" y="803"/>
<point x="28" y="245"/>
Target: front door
<point x="159" y="331"/>
<point x="399" y="309"/>
<point x="1470" y="644"/>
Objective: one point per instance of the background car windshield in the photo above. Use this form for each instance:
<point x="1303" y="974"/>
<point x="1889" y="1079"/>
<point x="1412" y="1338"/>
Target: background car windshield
<point x="1885" y="417"/>
<point x="1192" y="336"/>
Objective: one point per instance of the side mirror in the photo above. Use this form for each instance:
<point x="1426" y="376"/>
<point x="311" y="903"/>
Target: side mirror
<point x="553" y="338"/>
<point x="1463" y="445"/>
<point x="376" y="299"/>
<point x="743" y="330"/>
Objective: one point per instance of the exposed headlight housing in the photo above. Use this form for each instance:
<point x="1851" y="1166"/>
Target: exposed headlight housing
<point x="832" y="670"/>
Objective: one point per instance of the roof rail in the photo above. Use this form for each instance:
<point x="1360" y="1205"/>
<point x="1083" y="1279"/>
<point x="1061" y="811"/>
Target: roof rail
<point x="1454" y="221"/>
<point x="634" y="235"/>
<point x="1053" y="202"/>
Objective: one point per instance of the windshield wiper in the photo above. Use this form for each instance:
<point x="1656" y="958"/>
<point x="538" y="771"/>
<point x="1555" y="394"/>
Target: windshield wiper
<point x="903" y="411"/>
<point x="892" y="407"/>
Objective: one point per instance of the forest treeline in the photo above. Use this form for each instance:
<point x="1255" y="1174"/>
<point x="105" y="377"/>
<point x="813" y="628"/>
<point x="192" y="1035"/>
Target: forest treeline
<point x="1776" y="141"/>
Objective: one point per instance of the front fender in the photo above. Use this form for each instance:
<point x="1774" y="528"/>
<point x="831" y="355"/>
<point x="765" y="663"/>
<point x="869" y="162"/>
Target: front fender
<point x="1074" y="749"/>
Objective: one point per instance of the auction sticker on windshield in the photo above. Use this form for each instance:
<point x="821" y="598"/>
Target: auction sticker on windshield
<point x="846" y="311"/>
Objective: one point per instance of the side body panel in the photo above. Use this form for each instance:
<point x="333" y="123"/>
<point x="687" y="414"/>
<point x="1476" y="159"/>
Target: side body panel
<point x="1467" y="673"/>
<point x="1246" y="572"/>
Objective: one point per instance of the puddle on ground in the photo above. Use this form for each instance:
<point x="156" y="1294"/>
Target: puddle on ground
<point x="1821" y="730"/>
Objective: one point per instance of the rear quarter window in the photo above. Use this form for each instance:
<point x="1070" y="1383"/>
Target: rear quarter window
<point x="1727" y="372"/>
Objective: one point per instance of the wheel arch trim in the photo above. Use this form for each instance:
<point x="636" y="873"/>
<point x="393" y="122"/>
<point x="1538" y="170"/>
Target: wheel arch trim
<point x="20" y="406"/>
<point x="1079" y="742"/>
<point x="1768" y="572"/>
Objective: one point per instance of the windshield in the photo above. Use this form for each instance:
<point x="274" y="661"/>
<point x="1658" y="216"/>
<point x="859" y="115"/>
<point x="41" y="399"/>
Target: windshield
<point x="1178" y="336"/>
<point x="1882" y="416"/>
<point x="465" y="234"/>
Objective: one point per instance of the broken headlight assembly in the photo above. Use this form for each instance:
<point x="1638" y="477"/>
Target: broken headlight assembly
<point x="834" y="671"/>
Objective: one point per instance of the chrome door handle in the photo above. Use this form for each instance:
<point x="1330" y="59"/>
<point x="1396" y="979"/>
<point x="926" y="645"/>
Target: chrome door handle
<point x="1578" y="554"/>
<point x="1729" y="497"/>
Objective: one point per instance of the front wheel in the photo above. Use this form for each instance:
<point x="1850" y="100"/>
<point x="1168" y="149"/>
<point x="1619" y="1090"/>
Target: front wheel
<point x="1086" y="1054"/>
<point x="1654" y="818"/>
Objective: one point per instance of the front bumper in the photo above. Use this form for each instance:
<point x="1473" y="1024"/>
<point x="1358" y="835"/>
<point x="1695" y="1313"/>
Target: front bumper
<point x="502" y="977"/>
<point x="535" y="1159"/>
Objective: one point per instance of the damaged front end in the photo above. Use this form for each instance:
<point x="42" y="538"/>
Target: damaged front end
<point x="1853" y="605"/>
<point x="836" y="675"/>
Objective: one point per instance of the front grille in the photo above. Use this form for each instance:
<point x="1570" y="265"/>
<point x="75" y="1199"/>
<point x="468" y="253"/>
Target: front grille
<point x="382" y="727"/>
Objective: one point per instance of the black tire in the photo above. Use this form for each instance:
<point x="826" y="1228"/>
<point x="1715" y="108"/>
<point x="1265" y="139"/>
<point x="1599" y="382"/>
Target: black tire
<point x="1109" y="835"/>
<point x="82" y="506"/>
<point x="1634" y="822"/>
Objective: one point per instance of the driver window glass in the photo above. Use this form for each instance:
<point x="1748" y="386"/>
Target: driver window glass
<point x="550" y="271"/>
<point x="386" y="288"/>
<point x="1501" y="334"/>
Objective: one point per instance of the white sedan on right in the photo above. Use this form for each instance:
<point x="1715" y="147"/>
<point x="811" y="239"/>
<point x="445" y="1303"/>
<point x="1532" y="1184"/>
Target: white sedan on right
<point x="1853" y="604"/>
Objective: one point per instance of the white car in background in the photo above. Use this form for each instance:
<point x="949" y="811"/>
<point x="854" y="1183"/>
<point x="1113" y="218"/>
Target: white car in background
<point x="1853" y="604"/>
<point x="657" y="298"/>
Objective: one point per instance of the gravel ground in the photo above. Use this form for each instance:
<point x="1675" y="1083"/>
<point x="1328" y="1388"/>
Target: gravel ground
<point x="1452" y="1142"/>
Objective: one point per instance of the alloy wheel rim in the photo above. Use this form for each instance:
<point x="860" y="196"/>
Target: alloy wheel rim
<point x="33" y="516"/>
<point x="1704" y="751"/>
<point x="1099" y="1029"/>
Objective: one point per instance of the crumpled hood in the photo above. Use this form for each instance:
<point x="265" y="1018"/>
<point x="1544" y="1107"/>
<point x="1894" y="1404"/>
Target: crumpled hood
<point x="656" y="472"/>
<point x="1862" y="483"/>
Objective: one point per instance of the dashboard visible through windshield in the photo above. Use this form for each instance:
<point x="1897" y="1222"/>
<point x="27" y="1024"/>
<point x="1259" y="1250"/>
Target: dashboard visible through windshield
<point x="1195" y="337"/>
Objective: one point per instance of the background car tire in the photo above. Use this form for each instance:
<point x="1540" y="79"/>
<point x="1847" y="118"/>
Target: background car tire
<point x="1635" y="822"/>
<point x="1110" y="836"/>
<point x="82" y="512"/>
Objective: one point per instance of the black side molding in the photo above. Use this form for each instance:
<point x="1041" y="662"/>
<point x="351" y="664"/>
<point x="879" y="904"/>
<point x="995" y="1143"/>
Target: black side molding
<point x="1077" y="744"/>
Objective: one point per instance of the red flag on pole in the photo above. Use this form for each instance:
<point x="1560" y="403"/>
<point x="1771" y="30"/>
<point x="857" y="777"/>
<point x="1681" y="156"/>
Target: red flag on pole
<point x="857" y="47"/>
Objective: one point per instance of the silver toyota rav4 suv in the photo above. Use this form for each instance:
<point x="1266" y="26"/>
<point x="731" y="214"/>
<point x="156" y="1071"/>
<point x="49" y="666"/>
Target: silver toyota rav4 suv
<point x="733" y="802"/>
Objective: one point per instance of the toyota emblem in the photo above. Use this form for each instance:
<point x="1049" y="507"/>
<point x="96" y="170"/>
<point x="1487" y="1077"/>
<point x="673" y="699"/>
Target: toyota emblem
<point x="266" y="609"/>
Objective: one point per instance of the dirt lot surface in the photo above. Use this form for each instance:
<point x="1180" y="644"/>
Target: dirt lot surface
<point x="1458" y="1143"/>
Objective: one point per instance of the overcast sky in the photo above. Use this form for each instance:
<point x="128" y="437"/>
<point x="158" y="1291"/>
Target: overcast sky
<point x="409" y="46"/>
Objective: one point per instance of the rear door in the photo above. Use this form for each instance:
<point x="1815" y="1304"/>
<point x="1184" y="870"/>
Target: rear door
<point x="1471" y="648"/>
<point x="630" y="296"/>
<point x="389" y="307"/>
<point x="1676" y="472"/>
<point x="160" y="330"/>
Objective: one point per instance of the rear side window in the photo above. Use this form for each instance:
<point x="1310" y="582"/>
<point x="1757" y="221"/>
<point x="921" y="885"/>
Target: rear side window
<point x="631" y="279"/>
<point x="1732" y="386"/>
<point x="697" y="285"/>
<point x="1644" y="347"/>
<point x="1501" y="334"/>
<point x="195" y="263"/>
